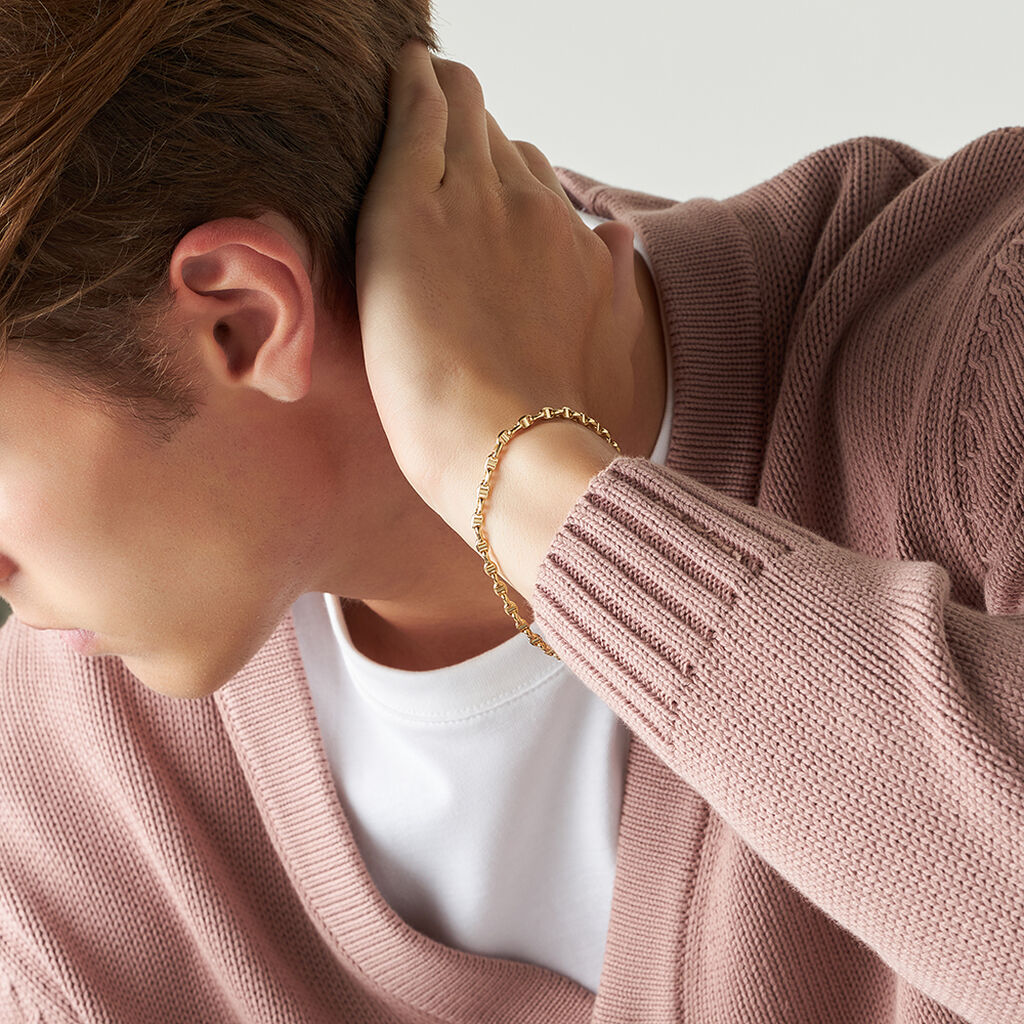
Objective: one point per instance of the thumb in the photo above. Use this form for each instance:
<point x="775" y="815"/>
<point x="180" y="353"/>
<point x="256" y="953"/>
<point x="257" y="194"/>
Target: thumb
<point x="618" y="237"/>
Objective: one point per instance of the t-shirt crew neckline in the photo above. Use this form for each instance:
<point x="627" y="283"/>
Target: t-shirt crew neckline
<point x="444" y="695"/>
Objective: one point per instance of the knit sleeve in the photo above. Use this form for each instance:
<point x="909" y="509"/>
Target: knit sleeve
<point x="856" y="720"/>
<point x="862" y="732"/>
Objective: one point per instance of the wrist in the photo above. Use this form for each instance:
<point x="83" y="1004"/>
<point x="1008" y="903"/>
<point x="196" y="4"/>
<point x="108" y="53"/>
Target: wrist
<point x="541" y="474"/>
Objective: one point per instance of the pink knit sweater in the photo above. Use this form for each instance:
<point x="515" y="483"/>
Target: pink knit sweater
<point x="811" y="622"/>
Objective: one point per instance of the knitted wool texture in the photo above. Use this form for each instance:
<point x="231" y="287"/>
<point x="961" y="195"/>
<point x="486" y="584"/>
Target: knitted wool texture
<point x="810" y="620"/>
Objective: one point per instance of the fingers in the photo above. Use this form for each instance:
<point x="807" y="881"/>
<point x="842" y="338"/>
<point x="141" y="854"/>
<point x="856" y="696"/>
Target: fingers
<point x="507" y="159"/>
<point x="522" y="161"/>
<point x="413" y="148"/>
<point x="467" y="145"/>
<point x="539" y="167"/>
<point x="438" y="127"/>
<point x="618" y="237"/>
<point x="475" y="143"/>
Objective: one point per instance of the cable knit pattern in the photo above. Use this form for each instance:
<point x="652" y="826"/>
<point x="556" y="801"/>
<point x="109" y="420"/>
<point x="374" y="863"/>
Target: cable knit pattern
<point x="811" y="620"/>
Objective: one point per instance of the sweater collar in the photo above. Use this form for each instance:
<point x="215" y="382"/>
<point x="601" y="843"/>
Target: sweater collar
<point x="270" y="720"/>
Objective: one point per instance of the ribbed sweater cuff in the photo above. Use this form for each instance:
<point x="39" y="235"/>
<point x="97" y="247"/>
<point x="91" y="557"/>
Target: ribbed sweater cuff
<point x="641" y="577"/>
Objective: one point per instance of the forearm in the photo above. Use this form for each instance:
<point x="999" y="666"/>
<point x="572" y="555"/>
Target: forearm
<point x="856" y="728"/>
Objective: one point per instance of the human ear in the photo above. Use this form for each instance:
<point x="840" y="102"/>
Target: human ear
<point x="245" y="295"/>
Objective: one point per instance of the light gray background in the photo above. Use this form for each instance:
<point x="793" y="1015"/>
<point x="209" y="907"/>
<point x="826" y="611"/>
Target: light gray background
<point x="684" y="99"/>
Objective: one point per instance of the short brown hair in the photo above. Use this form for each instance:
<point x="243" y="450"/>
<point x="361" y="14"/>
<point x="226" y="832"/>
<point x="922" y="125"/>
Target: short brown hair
<point x="126" y="123"/>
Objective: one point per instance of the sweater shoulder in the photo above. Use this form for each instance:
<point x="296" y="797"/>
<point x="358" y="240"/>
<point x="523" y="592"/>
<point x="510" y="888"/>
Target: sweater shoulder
<point x="882" y="284"/>
<point x="34" y="671"/>
<point x="98" y="776"/>
<point x="893" y="294"/>
<point x="46" y="695"/>
<point x="983" y="390"/>
<point x="34" y="744"/>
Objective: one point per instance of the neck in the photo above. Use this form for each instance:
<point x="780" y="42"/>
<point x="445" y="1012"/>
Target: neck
<point x="447" y="611"/>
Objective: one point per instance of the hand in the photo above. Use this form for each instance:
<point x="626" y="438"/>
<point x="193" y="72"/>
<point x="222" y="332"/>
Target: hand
<point x="482" y="295"/>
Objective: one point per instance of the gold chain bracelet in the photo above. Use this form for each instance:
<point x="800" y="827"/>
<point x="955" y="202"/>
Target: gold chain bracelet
<point x="483" y="548"/>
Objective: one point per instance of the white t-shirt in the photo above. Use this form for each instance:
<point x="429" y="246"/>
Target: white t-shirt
<point x="484" y="797"/>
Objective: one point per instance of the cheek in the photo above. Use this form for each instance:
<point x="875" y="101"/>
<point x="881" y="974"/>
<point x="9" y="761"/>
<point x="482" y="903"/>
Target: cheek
<point x="43" y="518"/>
<point x="97" y="529"/>
<point x="65" y="526"/>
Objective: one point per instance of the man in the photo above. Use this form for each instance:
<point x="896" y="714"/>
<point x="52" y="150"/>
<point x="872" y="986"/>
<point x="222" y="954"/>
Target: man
<point x="798" y="589"/>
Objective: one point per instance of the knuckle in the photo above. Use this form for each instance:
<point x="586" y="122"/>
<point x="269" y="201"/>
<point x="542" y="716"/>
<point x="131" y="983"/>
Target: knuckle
<point x="598" y="258"/>
<point x="462" y="77"/>
<point x="529" y="150"/>
<point x="427" y="101"/>
<point x="546" y="214"/>
<point x="553" y="207"/>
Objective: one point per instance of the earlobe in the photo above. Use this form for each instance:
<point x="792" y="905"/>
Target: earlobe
<point x="246" y="296"/>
